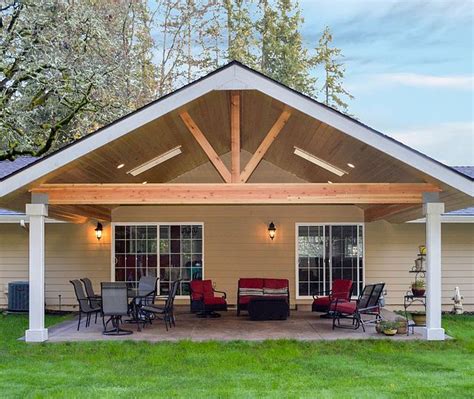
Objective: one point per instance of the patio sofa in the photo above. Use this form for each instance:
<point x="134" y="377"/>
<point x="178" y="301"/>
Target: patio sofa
<point x="250" y="288"/>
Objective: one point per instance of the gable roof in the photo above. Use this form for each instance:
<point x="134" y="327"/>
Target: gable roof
<point x="235" y="76"/>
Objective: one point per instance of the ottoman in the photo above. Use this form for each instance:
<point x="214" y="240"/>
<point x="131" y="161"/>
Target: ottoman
<point x="268" y="308"/>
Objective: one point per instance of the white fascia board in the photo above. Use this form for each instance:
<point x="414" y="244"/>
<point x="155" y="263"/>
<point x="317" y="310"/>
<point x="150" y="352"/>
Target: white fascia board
<point x="448" y="219"/>
<point x="356" y="130"/>
<point x="19" y="218"/>
<point x="117" y="130"/>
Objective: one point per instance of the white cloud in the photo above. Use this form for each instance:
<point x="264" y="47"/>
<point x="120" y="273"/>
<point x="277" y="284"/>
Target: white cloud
<point x="463" y="82"/>
<point x="451" y="143"/>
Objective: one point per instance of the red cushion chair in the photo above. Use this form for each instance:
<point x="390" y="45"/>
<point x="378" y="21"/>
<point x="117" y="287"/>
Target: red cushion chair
<point x="203" y="299"/>
<point x="341" y="290"/>
<point x="366" y="304"/>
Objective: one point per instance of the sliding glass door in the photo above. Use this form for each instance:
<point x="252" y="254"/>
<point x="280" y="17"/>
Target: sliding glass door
<point x="326" y="252"/>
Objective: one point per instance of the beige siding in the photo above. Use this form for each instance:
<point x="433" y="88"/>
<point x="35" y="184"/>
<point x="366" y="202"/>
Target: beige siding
<point x="236" y="241"/>
<point x="72" y="251"/>
<point x="237" y="245"/>
<point x="392" y="248"/>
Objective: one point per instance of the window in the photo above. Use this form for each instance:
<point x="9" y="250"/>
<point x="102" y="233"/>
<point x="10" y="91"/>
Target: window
<point x="170" y="251"/>
<point x="328" y="252"/>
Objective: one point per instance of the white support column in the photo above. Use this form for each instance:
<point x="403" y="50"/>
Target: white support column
<point x="433" y="212"/>
<point x="37" y="214"/>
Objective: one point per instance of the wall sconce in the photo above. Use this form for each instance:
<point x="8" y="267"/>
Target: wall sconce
<point x="98" y="231"/>
<point x="271" y="230"/>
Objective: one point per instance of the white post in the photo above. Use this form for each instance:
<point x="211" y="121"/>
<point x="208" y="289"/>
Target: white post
<point x="36" y="332"/>
<point x="433" y="212"/>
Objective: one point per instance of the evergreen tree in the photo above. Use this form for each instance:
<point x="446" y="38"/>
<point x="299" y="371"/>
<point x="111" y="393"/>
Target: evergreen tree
<point x="334" y="71"/>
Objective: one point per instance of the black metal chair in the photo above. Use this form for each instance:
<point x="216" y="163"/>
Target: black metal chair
<point x="85" y="306"/>
<point x="114" y="305"/>
<point x="145" y="295"/>
<point x="165" y="312"/>
<point x="94" y="299"/>
<point x="366" y="304"/>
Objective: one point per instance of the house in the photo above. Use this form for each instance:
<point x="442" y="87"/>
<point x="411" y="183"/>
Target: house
<point x="188" y="186"/>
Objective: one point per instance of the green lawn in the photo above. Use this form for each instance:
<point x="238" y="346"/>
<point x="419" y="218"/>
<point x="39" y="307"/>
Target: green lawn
<point x="289" y="369"/>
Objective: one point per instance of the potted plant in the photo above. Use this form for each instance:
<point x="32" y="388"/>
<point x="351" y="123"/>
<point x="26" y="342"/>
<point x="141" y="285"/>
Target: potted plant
<point x="419" y="318"/>
<point x="402" y="325"/>
<point x="389" y="327"/>
<point x="418" y="288"/>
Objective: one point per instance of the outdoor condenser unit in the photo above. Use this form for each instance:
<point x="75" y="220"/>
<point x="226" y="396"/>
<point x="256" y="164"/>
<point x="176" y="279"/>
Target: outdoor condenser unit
<point x="18" y="296"/>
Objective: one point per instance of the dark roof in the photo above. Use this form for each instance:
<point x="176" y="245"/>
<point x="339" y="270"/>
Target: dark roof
<point x="465" y="170"/>
<point x="9" y="167"/>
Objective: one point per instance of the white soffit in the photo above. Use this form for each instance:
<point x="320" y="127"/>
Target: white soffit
<point x="320" y="162"/>
<point x="237" y="76"/>
<point x="155" y="161"/>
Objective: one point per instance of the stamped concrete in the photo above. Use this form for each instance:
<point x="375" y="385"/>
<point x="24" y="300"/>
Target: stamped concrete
<point x="302" y="325"/>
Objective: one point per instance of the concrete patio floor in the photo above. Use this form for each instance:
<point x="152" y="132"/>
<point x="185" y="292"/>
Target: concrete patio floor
<point x="301" y="325"/>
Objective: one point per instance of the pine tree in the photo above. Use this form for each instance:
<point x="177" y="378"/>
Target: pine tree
<point x="334" y="71"/>
<point x="283" y="54"/>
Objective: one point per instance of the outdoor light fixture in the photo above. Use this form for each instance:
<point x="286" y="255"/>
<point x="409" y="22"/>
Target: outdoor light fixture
<point x="351" y="165"/>
<point x="120" y="166"/>
<point x="271" y="230"/>
<point x="320" y="162"/>
<point x="155" y="161"/>
<point x="98" y="231"/>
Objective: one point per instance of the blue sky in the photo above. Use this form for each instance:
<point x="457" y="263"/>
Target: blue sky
<point x="409" y="64"/>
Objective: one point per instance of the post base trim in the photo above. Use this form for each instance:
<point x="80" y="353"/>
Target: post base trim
<point x="36" y="335"/>
<point x="434" y="334"/>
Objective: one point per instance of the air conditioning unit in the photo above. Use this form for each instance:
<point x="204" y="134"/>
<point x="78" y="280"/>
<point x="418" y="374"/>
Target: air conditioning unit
<point x="18" y="296"/>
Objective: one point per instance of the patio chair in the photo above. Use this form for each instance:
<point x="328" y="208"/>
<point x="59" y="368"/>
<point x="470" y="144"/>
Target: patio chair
<point x="203" y="301"/>
<point x="85" y="306"/>
<point x="146" y="293"/>
<point x="94" y="299"/>
<point x="165" y="312"/>
<point x="341" y="289"/>
<point x="114" y="305"/>
<point x="366" y="304"/>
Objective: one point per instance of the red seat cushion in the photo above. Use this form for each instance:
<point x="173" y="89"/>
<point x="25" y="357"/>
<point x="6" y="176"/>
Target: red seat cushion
<point x="251" y="283"/>
<point x="344" y="307"/>
<point x="244" y="300"/>
<point x="215" y="300"/>
<point x="275" y="283"/>
<point x="322" y="301"/>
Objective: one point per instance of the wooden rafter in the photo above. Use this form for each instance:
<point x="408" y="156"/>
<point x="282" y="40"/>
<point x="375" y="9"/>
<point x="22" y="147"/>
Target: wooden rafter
<point x="236" y="193"/>
<point x="265" y="145"/>
<point x="206" y="146"/>
<point x="235" y="135"/>
<point x="383" y="211"/>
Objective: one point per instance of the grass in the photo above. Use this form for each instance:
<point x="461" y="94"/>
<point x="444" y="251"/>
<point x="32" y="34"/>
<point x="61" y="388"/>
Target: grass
<point x="271" y="369"/>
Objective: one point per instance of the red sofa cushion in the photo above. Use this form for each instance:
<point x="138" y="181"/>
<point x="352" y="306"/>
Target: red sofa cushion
<point x="251" y="283"/>
<point x="275" y="283"/>
<point x="344" y="307"/>
<point x="244" y="300"/>
<point x="214" y="301"/>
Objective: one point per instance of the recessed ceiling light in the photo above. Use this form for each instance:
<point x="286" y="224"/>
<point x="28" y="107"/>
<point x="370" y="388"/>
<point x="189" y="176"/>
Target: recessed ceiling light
<point x="155" y="161"/>
<point x="320" y="162"/>
<point x="351" y="165"/>
<point x="145" y="182"/>
<point x="120" y="166"/>
<point x="330" y="182"/>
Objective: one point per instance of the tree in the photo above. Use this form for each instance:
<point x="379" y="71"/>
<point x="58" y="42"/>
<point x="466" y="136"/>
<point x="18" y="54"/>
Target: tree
<point x="283" y="54"/>
<point x="334" y="72"/>
<point x="65" y="69"/>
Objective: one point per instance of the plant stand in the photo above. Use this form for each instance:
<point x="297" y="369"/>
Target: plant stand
<point x="409" y="300"/>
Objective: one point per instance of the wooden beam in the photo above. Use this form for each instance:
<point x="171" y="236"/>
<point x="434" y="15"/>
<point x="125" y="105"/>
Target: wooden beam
<point x="381" y="212"/>
<point x="80" y="213"/>
<point x="265" y="145"/>
<point x="206" y="146"/>
<point x="236" y="193"/>
<point x="235" y="135"/>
